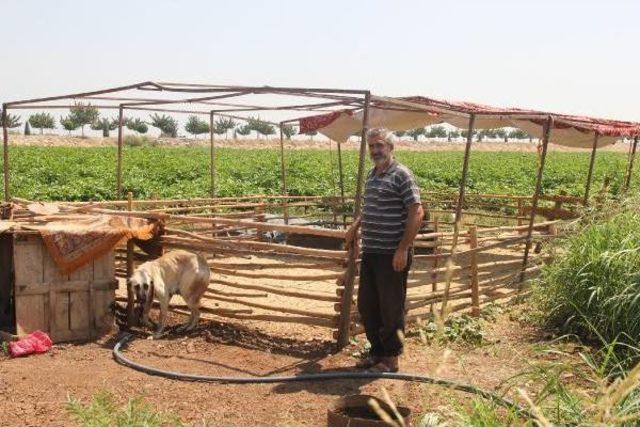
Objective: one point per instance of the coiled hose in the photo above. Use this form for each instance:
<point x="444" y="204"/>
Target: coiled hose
<point x="325" y="376"/>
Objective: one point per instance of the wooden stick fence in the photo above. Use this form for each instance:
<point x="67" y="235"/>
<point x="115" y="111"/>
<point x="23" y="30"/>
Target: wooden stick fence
<point x="256" y="279"/>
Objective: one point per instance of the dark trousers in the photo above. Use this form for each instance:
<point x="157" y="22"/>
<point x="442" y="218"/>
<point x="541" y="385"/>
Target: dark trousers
<point x="381" y="302"/>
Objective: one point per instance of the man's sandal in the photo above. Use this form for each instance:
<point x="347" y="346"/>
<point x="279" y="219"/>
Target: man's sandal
<point x="368" y="362"/>
<point x="386" y="364"/>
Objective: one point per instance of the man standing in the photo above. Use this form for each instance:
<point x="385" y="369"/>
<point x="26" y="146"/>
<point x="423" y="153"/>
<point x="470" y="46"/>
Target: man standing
<point x="391" y="217"/>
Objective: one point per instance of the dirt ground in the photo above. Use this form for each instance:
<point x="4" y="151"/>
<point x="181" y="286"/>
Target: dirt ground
<point x="34" y="389"/>
<point x="317" y="143"/>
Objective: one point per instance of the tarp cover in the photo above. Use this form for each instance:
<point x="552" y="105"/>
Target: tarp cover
<point x="418" y="111"/>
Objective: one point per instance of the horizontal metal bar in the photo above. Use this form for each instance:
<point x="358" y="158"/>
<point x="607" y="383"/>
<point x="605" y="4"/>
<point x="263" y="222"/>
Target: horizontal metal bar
<point x="186" y="100"/>
<point x="262" y="89"/>
<point x="54" y="107"/>
<point x="79" y="95"/>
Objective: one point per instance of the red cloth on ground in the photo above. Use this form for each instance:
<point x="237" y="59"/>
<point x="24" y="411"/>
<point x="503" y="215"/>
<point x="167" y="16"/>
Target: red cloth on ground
<point x="35" y="342"/>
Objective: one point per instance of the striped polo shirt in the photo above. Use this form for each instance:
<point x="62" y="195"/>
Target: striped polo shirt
<point x="387" y="198"/>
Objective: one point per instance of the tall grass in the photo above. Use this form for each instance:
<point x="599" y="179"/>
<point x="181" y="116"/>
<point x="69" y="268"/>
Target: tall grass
<point x="104" y="411"/>
<point x="563" y="393"/>
<point x="592" y="289"/>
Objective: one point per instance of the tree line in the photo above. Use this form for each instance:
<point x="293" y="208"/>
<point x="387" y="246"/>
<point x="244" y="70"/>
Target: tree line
<point x="81" y="115"/>
<point x="438" y="131"/>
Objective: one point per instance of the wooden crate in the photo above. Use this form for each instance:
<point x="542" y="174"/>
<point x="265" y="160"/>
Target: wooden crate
<point x="69" y="307"/>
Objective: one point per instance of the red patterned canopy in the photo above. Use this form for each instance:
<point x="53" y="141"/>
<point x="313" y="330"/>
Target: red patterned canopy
<point x="415" y="111"/>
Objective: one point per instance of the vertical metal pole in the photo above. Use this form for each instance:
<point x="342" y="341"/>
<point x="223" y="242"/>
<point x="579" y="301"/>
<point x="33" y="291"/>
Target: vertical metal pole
<point x="344" y="324"/>
<point x="630" y="168"/>
<point x="131" y="320"/>
<point x="119" y="164"/>
<point x="585" y="201"/>
<point x="465" y="169"/>
<point x="536" y="195"/>
<point x="363" y="153"/>
<point x="344" y="217"/>
<point x="283" y="171"/>
<point x="212" y="160"/>
<point x="458" y="217"/>
<point x="475" y="290"/>
<point x="5" y="153"/>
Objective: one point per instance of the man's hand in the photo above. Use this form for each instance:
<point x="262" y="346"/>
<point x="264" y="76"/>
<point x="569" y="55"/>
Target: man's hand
<point x="400" y="259"/>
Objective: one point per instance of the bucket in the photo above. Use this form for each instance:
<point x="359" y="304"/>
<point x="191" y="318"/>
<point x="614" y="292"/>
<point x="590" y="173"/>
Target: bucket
<point x="354" y="411"/>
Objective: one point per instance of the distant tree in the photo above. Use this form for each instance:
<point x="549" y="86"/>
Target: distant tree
<point x="196" y="126"/>
<point x="42" y="121"/>
<point x="502" y="133"/>
<point x="223" y="125"/>
<point x="415" y="133"/>
<point x="436" y="132"/>
<point x="453" y="134"/>
<point x="260" y="127"/>
<point x="243" y="130"/>
<point x="312" y="134"/>
<point x="266" y="129"/>
<point x="105" y="125"/>
<point x="27" y="128"/>
<point x="400" y="133"/>
<point x="68" y="123"/>
<point x="83" y="114"/>
<point x="288" y="131"/>
<point x="487" y="133"/>
<point x="136" y="125"/>
<point x="168" y="125"/>
<point x="518" y="134"/>
<point x="465" y="133"/>
<point x="13" y="121"/>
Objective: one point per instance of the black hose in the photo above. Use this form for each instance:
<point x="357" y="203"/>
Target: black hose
<point x="324" y="376"/>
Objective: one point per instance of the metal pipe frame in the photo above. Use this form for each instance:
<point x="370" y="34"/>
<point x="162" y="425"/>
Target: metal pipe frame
<point x="592" y="161"/>
<point x="5" y="153"/>
<point x="344" y="324"/>
<point x="632" y="155"/>
<point x="465" y="169"/>
<point x="212" y="159"/>
<point x="283" y="171"/>
<point x="534" y="201"/>
<point x="119" y="160"/>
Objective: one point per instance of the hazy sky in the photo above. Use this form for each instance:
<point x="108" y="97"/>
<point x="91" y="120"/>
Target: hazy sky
<point x="565" y="56"/>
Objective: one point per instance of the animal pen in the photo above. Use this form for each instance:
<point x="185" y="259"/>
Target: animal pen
<point x="472" y="249"/>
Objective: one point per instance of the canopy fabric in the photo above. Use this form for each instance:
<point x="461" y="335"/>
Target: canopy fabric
<point x="418" y="111"/>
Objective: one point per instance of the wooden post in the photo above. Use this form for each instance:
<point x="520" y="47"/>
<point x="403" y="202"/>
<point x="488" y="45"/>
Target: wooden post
<point x="283" y="170"/>
<point x="536" y="195"/>
<point x="212" y="160"/>
<point x="119" y="161"/>
<point x="632" y="156"/>
<point x="260" y="217"/>
<point x="520" y="212"/>
<point x="434" y="276"/>
<point x="475" y="291"/>
<point x="585" y="201"/>
<point x="344" y="323"/>
<point x="465" y="169"/>
<point x="5" y="153"/>
<point x="130" y="296"/>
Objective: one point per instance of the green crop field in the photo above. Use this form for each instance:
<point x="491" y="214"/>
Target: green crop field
<point x="68" y="173"/>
